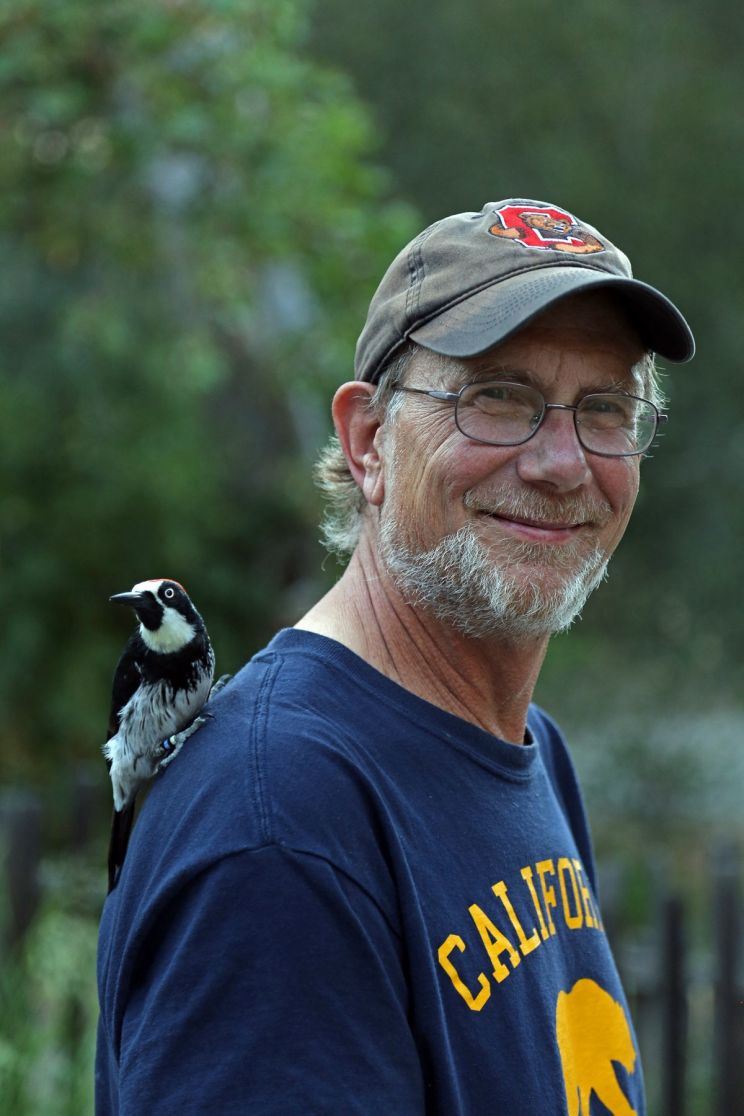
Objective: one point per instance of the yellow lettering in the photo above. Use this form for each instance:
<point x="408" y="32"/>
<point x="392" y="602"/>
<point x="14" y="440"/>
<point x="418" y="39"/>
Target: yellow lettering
<point x="475" y="1003"/>
<point x="525" y="944"/>
<point x="574" y="920"/>
<point x="495" y="942"/>
<point x="592" y="915"/>
<point x="526" y="874"/>
<point x="544" y="868"/>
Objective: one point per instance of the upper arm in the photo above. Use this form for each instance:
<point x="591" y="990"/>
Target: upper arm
<point x="273" y="983"/>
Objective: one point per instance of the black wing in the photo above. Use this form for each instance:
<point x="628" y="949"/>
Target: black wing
<point x="127" y="678"/>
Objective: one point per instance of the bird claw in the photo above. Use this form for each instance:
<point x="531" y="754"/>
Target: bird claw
<point x="219" y="685"/>
<point x="170" y="747"/>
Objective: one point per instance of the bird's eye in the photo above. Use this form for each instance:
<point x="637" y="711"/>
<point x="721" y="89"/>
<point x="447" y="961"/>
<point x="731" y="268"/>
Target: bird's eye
<point x="169" y="593"/>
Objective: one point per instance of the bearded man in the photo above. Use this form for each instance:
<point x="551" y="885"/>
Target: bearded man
<point x="367" y="885"/>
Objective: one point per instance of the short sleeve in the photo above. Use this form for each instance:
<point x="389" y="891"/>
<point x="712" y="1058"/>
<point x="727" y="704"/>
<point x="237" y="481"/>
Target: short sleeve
<point x="272" y="983"/>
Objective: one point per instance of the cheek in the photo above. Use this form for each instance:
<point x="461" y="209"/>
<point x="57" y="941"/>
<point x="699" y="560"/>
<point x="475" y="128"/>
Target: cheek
<point x="420" y="494"/>
<point x="620" y="488"/>
<point x="418" y="467"/>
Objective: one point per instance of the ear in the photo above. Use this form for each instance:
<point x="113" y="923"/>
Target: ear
<point x="360" y="434"/>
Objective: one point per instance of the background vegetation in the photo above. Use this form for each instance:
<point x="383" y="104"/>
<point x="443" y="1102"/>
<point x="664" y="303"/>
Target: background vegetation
<point x="193" y="215"/>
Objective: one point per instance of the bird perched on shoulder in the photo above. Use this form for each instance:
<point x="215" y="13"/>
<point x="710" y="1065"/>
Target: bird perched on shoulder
<point x="162" y="680"/>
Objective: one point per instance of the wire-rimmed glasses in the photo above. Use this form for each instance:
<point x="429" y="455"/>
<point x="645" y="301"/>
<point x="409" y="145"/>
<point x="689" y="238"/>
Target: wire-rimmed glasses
<point x="500" y="413"/>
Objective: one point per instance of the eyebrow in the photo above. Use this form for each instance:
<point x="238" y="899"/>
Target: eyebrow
<point x="484" y="373"/>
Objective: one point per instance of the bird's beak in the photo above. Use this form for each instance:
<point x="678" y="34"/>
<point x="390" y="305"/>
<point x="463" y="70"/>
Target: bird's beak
<point x="148" y="609"/>
<point x="131" y="599"/>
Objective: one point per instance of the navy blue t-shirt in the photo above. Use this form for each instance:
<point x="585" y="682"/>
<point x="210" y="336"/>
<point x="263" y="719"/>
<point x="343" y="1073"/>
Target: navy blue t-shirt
<point x="340" y="899"/>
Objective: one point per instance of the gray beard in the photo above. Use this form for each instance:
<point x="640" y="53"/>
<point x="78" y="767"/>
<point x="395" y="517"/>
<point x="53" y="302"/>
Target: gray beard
<point x="483" y="593"/>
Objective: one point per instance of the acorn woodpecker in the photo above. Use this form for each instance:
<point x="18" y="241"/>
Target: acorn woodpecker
<point x="161" y="682"/>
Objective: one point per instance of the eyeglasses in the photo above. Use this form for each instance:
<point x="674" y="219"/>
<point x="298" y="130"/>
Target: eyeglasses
<point x="611" y="424"/>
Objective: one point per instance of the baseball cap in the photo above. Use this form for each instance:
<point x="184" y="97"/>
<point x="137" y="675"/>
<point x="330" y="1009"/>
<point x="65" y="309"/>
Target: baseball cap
<point x="469" y="281"/>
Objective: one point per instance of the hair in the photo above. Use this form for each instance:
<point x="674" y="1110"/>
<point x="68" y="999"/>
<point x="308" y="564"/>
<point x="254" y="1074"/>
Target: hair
<point x="341" y="523"/>
<point x="345" y="503"/>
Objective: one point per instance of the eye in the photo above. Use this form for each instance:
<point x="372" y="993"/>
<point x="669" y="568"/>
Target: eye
<point x="501" y="396"/>
<point x="169" y="593"/>
<point x="494" y="391"/>
<point x="494" y="394"/>
<point x="614" y="405"/>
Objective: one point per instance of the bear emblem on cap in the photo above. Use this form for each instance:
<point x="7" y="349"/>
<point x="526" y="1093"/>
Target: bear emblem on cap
<point x="544" y="227"/>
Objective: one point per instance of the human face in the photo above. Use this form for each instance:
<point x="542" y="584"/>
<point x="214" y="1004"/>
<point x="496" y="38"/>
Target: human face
<point x="511" y="537"/>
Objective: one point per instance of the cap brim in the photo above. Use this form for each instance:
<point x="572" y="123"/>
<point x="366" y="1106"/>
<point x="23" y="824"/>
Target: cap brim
<point x="489" y="316"/>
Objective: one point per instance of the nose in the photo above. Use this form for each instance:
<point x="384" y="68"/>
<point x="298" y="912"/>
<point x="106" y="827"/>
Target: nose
<point x="554" y="456"/>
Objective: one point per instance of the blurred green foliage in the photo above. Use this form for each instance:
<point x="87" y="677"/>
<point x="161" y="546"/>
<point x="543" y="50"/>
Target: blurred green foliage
<point x="49" y="1004"/>
<point x="190" y="226"/>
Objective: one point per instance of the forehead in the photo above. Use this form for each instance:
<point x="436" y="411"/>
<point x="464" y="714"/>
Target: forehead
<point x="589" y="329"/>
<point x="153" y="584"/>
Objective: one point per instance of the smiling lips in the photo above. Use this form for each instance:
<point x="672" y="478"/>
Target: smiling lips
<point x="537" y="530"/>
<point x="538" y="518"/>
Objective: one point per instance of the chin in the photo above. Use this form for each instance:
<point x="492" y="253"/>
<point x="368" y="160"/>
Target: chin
<point x="482" y="591"/>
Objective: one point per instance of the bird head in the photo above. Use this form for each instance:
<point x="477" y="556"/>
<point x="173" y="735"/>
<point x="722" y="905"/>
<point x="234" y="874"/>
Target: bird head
<point x="168" y="620"/>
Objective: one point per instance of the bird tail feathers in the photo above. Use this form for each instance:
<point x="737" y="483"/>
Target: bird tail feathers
<point x="121" y="829"/>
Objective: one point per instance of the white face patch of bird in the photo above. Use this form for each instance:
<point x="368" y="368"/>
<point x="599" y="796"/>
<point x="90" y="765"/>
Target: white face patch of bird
<point x="166" y="615"/>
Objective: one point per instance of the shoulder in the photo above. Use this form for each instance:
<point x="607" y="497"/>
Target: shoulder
<point x="553" y="746"/>
<point x="564" y="781"/>
<point x="281" y="761"/>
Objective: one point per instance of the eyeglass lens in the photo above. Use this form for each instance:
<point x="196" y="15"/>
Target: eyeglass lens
<point x="507" y="414"/>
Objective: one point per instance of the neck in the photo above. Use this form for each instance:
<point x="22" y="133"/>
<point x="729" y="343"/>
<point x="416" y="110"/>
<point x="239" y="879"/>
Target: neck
<point x="488" y="682"/>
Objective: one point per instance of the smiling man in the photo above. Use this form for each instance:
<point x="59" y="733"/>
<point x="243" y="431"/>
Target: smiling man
<point x="535" y="528"/>
<point x="367" y="885"/>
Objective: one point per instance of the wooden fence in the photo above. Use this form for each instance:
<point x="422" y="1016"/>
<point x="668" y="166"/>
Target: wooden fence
<point x="722" y="973"/>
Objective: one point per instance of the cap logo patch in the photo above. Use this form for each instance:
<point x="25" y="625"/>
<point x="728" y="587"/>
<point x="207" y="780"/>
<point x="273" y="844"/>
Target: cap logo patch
<point x="544" y="227"/>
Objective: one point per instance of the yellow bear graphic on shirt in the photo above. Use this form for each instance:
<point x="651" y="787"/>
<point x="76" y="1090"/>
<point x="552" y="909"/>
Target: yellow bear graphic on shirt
<point x="592" y="1032"/>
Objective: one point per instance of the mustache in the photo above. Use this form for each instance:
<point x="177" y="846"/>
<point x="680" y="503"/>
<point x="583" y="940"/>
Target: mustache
<point x="516" y="504"/>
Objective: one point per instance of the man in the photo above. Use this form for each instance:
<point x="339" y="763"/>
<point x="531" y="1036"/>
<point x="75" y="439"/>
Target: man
<point x="367" y="885"/>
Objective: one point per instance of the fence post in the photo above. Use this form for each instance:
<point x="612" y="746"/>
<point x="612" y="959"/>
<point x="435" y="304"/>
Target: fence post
<point x="729" y="1024"/>
<point x="21" y="841"/>
<point x="674" y="1008"/>
<point x="85" y="806"/>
